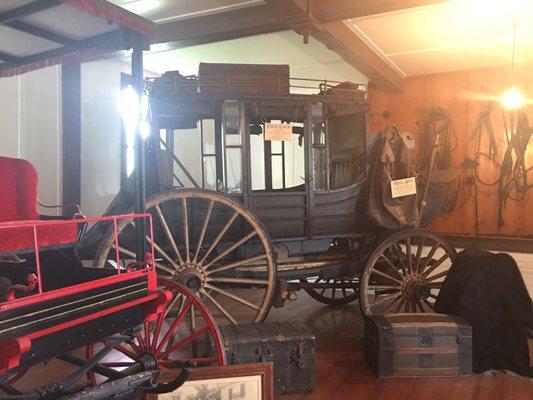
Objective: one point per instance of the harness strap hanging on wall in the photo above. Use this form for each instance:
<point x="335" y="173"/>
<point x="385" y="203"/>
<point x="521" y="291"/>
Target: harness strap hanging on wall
<point x="438" y="122"/>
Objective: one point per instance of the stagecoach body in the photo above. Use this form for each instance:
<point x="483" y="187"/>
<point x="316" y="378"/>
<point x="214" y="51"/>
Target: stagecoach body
<point x="305" y="191"/>
<point x="245" y="219"/>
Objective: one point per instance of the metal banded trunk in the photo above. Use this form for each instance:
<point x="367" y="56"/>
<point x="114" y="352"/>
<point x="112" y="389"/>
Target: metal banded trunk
<point x="416" y="345"/>
<point x="289" y="346"/>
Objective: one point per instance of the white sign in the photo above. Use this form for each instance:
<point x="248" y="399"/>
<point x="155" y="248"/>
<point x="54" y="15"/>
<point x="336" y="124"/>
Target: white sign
<point x="281" y="132"/>
<point x="403" y="187"/>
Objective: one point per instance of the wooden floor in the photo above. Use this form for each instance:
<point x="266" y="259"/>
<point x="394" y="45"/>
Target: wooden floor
<point x="341" y="372"/>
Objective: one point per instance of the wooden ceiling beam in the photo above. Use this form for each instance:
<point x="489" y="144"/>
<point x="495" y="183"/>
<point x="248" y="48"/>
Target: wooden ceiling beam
<point x="27" y="9"/>
<point x="40" y="32"/>
<point x="319" y="18"/>
<point x="340" y="38"/>
<point x="223" y="26"/>
<point x="10" y="59"/>
<point x="338" y="10"/>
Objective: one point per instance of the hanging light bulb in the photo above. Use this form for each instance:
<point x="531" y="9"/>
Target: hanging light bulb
<point x="513" y="99"/>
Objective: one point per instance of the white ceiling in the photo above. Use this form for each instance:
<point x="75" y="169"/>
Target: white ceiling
<point x="161" y="11"/>
<point x="450" y="36"/>
<point x="313" y="60"/>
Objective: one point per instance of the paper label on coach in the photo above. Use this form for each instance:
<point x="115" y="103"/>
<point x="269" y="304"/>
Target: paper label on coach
<point x="281" y="132"/>
<point x="403" y="187"/>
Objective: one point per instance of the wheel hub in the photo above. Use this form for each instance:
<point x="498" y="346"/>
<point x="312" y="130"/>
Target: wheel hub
<point x="417" y="289"/>
<point x="148" y="361"/>
<point x="192" y="277"/>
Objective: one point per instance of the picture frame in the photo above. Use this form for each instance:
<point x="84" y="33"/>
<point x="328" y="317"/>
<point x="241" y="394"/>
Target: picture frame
<point x="231" y="382"/>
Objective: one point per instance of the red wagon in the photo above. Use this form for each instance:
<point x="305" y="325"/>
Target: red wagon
<point x="51" y="304"/>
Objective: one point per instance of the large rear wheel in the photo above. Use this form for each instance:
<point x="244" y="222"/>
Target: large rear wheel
<point x="212" y="245"/>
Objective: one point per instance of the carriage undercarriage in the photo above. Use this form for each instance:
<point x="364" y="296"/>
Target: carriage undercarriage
<point x="240" y="273"/>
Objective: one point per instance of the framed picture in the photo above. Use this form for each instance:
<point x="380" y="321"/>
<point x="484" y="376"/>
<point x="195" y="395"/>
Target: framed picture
<point x="232" y="382"/>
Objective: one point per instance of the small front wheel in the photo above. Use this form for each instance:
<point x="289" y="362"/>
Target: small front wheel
<point x="405" y="273"/>
<point x="332" y="291"/>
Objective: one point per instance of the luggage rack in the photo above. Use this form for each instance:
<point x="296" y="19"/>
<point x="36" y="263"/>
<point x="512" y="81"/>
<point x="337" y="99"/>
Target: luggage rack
<point x="172" y="82"/>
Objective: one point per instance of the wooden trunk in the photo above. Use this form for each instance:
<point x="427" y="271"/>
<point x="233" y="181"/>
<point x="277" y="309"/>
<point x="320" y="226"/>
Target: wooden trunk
<point x="416" y="345"/>
<point x="243" y="78"/>
<point x="290" y="346"/>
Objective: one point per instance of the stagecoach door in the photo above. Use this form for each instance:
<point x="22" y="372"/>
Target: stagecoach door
<point x="277" y="172"/>
<point x="338" y="153"/>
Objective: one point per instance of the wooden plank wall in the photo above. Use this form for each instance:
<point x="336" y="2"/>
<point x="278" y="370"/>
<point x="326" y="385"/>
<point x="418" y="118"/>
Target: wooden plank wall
<point x="464" y="94"/>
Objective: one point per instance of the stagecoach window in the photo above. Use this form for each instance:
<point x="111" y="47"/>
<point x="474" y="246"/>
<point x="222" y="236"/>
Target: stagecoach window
<point x="231" y="123"/>
<point x="319" y="145"/>
<point x="183" y="146"/>
<point x="208" y="137"/>
<point x="191" y="153"/>
<point x="338" y="148"/>
<point x="232" y="148"/>
<point x="277" y="165"/>
<point x="257" y="159"/>
<point x="346" y="149"/>
<point x="209" y="173"/>
<point x="233" y="170"/>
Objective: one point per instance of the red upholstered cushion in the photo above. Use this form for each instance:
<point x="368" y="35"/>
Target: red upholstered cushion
<point x="18" y="197"/>
<point x="16" y="236"/>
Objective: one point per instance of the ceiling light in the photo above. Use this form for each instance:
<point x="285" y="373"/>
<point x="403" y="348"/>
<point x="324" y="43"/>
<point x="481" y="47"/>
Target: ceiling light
<point x="513" y="99"/>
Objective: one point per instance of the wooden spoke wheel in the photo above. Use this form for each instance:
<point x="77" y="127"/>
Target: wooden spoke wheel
<point x="210" y="244"/>
<point x="184" y="332"/>
<point x="405" y="273"/>
<point x="333" y="291"/>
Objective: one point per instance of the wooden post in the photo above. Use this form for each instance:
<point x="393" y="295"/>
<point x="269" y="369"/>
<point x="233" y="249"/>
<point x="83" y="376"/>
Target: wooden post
<point x="71" y="135"/>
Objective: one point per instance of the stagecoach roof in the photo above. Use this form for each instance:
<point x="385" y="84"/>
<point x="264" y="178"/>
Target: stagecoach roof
<point x="39" y="33"/>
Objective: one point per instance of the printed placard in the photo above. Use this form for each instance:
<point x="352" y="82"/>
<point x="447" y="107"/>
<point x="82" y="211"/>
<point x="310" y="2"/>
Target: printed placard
<point x="403" y="187"/>
<point x="281" y="132"/>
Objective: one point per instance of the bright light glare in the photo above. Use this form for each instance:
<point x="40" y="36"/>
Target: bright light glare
<point x="144" y="127"/>
<point x="129" y="105"/>
<point x="513" y="99"/>
<point x="133" y="115"/>
<point x="141" y="6"/>
<point x="507" y="10"/>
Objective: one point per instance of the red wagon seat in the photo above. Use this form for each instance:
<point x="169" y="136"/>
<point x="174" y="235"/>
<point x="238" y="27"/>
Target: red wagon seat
<point x="18" y="206"/>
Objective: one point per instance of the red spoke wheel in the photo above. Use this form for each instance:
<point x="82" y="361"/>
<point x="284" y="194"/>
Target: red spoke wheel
<point x="184" y="332"/>
<point x="15" y="376"/>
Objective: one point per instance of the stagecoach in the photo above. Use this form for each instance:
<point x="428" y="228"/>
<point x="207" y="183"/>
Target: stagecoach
<point x="261" y="184"/>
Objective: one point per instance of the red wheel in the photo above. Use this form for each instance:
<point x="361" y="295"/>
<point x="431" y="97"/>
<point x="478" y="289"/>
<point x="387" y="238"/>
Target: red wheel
<point x="184" y="332"/>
